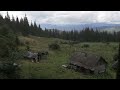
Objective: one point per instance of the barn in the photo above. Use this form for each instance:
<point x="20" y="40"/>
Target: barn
<point x="87" y="62"/>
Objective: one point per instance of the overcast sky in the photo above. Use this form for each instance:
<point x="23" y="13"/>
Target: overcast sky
<point x="68" y="17"/>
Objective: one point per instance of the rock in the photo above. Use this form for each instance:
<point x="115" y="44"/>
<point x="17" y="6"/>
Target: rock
<point x="64" y="66"/>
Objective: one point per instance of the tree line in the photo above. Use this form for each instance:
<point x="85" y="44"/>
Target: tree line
<point x="22" y="27"/>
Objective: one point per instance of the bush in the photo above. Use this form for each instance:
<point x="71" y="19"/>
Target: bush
<point x="54" y="46"/>
<point x="7" y="67"/>
<point x="8" y="54"/>
<point x="4" y="48"/>
<point x="9" y="70"/>
<point x="107" y="43"/>
<point x="85" y="46"/>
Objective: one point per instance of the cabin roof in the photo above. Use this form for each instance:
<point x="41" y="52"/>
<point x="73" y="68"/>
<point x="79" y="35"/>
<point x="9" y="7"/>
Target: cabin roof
<point x="87" y="60"/>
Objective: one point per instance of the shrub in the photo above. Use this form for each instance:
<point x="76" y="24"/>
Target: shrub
<point x="107" y="43"/>
<point x="85" y="46"/>
<point x="9" y="70"/>
<point x="8" y="54"/>
<point x="7" y="67"/>
<point x="54" y="46"/>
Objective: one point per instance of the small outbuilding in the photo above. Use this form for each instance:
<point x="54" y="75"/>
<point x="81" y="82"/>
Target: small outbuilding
<point x="87" y="62"/>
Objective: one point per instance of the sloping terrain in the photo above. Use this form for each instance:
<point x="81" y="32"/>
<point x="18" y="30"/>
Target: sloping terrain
<point x="51" y="67"/>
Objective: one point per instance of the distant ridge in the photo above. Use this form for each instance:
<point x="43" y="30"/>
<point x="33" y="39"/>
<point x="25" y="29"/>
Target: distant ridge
<point x="68" y="27"/>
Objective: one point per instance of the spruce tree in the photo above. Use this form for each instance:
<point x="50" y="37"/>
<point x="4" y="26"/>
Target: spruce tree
<point x="1" y="20"/>
<point x="26" y="26"/>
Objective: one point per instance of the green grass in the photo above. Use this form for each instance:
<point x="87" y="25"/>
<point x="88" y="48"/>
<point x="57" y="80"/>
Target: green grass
<point x="51" y="68"/>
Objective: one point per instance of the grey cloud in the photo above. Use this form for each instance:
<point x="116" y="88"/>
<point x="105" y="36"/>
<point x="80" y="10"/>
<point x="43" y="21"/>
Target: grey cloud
<point x="68" y="16"/>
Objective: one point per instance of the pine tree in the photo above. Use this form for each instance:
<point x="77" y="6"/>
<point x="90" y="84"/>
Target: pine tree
<point x="26" y="25"/>
<point x="21" y="27"/>
<point x="31" y="28"/>
<point x="36" y="32"/>
<point x="13" y="24"/>
<point x="1" y="20"/>
<point x="7" y="19"/>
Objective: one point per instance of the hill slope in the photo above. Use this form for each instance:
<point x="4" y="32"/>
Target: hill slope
<point x="51" y="68"/>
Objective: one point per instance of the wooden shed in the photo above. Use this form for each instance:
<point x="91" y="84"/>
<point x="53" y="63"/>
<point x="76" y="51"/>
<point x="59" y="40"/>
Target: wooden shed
<point x="87" y="62"/>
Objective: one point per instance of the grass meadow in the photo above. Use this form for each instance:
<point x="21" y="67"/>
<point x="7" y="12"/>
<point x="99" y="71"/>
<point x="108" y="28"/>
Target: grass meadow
<point x="51" y="67"/>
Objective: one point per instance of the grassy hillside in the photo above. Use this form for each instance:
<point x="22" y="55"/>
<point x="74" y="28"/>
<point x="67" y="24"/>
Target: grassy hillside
<point x="51" y="68"/>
